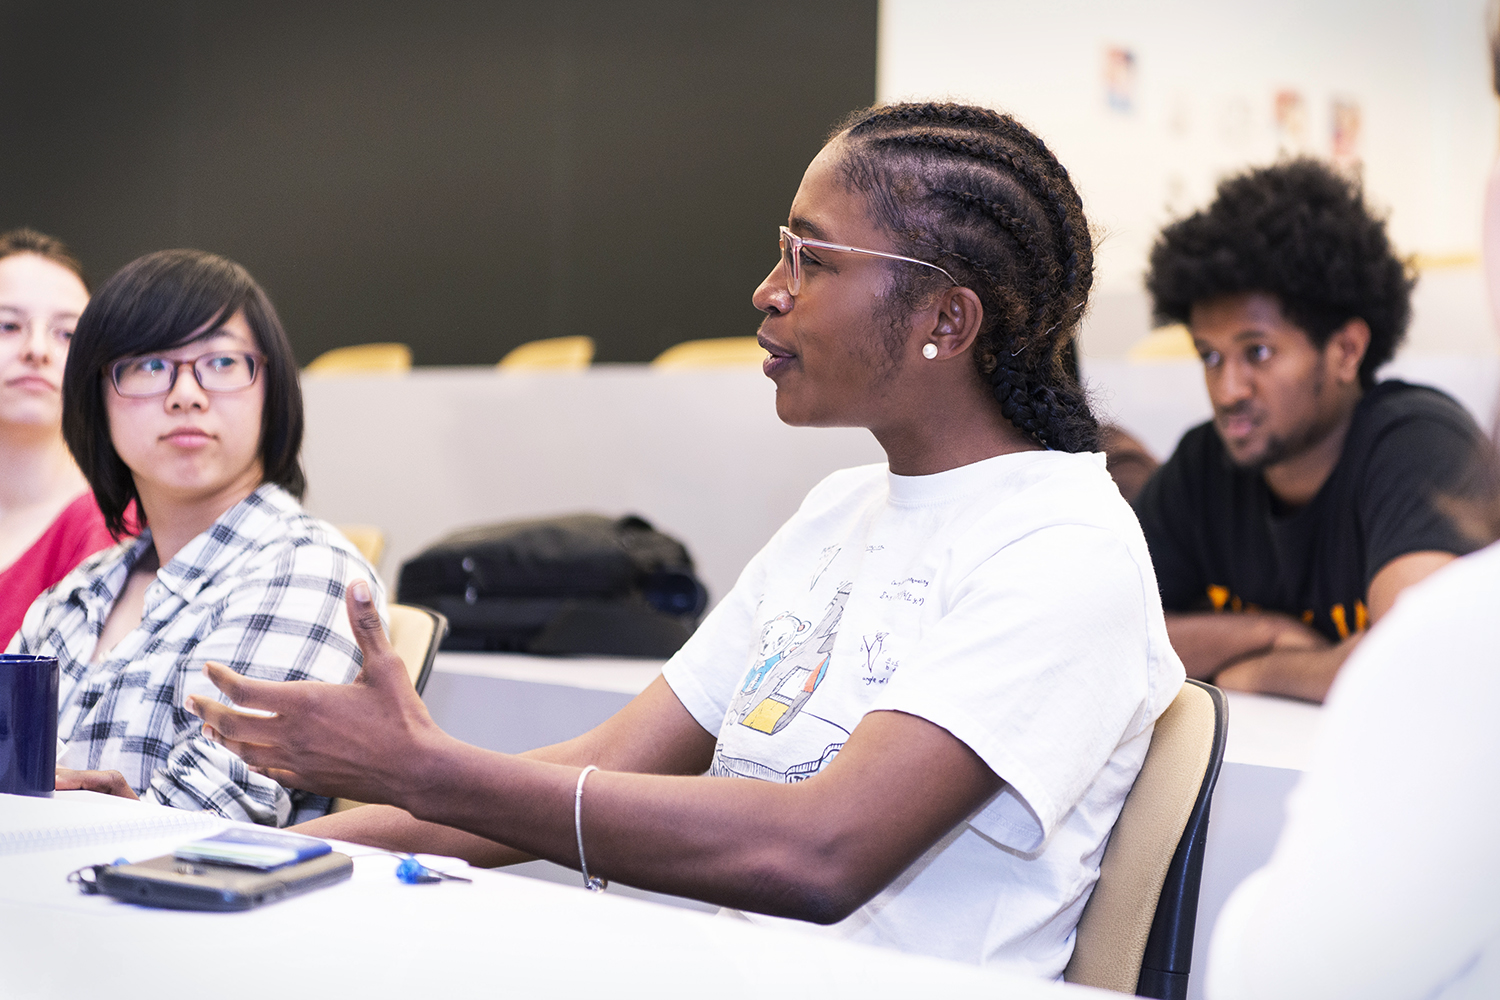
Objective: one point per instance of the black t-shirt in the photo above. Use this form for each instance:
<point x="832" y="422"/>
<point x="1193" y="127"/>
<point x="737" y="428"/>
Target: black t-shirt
<point x="1219" y="539"/>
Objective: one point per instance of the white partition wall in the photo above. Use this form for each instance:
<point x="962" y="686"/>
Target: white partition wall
<point x="700" y="454"/>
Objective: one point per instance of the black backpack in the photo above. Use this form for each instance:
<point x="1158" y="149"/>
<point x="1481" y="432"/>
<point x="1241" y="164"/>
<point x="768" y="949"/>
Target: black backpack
<point x="581" y="584"/>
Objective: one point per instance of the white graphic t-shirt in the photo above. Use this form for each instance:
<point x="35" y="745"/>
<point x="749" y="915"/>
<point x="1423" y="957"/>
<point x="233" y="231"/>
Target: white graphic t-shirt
<point x="1011" y="602"/>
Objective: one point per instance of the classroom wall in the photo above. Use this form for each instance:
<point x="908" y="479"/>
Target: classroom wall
<point x="1200" y="99"/>
<point x="461" y="176"/>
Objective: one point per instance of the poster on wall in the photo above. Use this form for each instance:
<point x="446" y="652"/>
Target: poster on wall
<point x="1119" y="79"/>
<point x="1346" y="123"/>
<point x="1289" y="111"/>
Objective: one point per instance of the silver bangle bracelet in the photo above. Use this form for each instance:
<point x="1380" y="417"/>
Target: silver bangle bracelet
<point x="594" y="883"/>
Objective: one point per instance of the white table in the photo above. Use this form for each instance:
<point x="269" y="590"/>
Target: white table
<point x="513" y="703"/>
<point x="372" y="937"/>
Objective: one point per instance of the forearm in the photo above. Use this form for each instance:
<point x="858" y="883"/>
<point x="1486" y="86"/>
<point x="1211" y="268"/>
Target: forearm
<point x="813" y="850"/>
<point x="1207" y="642"/>
<point x="652" y="734"/>
<point x="1294" y="673"/>
<point x="747" y="844"/>
<point x="394" y="829"/>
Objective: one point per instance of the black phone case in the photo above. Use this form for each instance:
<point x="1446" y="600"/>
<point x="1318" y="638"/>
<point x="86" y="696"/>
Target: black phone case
<point x="192" y="885"/>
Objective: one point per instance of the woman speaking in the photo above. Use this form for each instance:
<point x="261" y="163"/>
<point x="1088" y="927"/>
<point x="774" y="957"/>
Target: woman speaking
<point x="967" y="651"/>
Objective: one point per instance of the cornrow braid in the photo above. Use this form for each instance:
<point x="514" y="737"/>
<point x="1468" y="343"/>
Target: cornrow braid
<point x="984" y="197"/>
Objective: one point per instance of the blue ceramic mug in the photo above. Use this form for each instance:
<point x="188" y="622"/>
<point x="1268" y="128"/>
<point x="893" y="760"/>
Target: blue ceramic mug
<point x="28" y="724"/>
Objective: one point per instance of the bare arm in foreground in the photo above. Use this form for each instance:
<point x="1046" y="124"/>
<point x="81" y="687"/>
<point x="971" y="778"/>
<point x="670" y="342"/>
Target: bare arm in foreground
<point x="815" y="850"/>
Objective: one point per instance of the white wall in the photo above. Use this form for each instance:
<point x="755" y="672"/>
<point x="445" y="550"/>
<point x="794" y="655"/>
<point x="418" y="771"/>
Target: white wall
<point x="1206" y="78"/>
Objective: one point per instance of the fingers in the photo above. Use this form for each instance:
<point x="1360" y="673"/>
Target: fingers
<point x="266" y="760"/>
<point x="247" y="692"/>
<point x="260" y="757"/>
<point x="237" y="725"/>
<point x="363" y="617"/>
<point x="108" y="782"/>
<point x="381" y="664"/>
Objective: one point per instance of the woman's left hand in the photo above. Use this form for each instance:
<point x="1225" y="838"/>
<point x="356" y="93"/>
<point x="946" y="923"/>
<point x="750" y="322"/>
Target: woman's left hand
<point x="108" y="782"/>
<point x="359" y="740"/>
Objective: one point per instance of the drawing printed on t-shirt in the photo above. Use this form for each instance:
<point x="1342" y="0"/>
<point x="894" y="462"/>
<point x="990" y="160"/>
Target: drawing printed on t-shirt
<point x="773" y="695"/>
<point x="777" y="640"/>
<point x="787" y="671"/>
<point x="878" y="667"/>
<point x="825" y="559"/>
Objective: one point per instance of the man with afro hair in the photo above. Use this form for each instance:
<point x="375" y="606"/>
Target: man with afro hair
<point x="1286" y="525"/>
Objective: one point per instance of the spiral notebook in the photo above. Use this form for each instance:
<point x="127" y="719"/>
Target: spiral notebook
<point x="29" y="823"/>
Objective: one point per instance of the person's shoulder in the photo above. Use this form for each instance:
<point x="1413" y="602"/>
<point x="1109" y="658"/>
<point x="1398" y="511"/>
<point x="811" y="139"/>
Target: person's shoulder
<point x="837" y="488"/>
<point x="1199" y="452"/>
<point x="1395" y="402"/>
<point x="288" y="536"/>
<point x="1198" y="461"/>
<point x="99" y="564"/>
<point x="1033" y="491"/>
<point x="89" y="573"/>
<point x="81" y="514"/>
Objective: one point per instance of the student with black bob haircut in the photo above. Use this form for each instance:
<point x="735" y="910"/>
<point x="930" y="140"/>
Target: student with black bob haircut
<point x="163" y="300"/>
<point x="182" y="398"/>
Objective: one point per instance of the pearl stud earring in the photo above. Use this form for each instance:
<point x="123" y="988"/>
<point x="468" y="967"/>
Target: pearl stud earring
<point x="929" y="351"/>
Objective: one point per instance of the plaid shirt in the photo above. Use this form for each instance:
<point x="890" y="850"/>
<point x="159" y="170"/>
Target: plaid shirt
<point x="261" y="591"/>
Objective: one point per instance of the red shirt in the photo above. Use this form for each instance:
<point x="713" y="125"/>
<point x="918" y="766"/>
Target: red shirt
<point x="78" y="532"/>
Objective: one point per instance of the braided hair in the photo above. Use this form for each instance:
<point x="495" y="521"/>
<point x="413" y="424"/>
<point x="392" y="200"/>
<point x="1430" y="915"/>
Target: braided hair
<point x="975" y="192"/>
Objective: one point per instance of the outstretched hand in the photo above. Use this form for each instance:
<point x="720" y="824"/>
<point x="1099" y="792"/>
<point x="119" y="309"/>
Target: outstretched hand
<point x="362" y="740"/>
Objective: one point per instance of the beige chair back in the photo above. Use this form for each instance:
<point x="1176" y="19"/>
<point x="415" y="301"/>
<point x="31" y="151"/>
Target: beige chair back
<point x="552" y="354"/>
<point x="720" y="352"/>
<point x="1171" y="790"/>
<point x="415" y="634"/>
<point x="369" y="539"/>
<point x="362" y="359"/>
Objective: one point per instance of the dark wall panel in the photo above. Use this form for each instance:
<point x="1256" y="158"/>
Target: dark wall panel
<point x="460" y="176"/>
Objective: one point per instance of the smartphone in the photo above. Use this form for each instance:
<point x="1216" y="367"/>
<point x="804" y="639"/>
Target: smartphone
<point x="176" y="884"/>
<point x="253" y="847"/>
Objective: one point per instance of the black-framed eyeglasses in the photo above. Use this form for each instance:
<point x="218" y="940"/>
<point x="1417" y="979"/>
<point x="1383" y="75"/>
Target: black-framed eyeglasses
<point x="216" y="371"/>
<point x="791" y="257"/>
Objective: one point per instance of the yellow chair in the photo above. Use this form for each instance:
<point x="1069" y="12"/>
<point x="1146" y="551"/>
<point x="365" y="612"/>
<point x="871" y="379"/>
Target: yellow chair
<point x="719" y="352"/>
<point x="1165" y="343"/>
<point x="369" y="539"/>
<point x="554" y="354"/>
<point x="415" y="635"/>
<point x="1136" y="932"/>
<point x="362" y="358"/>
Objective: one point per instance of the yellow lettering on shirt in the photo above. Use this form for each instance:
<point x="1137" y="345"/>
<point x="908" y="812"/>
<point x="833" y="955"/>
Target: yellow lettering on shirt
<point x="1307" y="617"/>
<point x="1361" y="616"/>
<point x="1218" y="595"/>
<point x="1340" y="621"/>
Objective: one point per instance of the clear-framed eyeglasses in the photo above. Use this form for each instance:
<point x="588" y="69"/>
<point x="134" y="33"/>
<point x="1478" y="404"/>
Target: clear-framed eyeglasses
<point x="791" y="257"/>
<point x="216" y="371"/>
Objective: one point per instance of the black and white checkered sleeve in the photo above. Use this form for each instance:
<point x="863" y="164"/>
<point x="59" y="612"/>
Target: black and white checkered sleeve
<point x="285" y="622"/>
